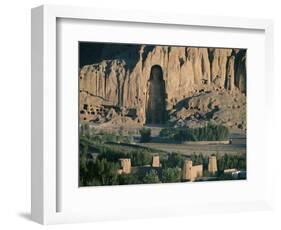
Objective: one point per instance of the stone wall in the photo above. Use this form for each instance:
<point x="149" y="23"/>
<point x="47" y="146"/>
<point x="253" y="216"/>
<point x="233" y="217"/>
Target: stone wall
<point x="125" y="166"/>
<point x="191" y="172"/>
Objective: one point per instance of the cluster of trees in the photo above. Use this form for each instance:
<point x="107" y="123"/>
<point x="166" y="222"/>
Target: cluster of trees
<point x="228" y="161"/>
<point x="225" y="161"/>
<point x="151" y="177"/>
<point x="103" y="169"/>
<point x="139" y="155"/>
<point x="100" y="153"/>
<point x="100" y="136"/>
<point x="170" y="175"/>
<point x="96" y="172"/>
<point x="211" y="132"/>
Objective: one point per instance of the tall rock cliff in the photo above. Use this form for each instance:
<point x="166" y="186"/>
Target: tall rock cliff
<point x="122" y="80"/>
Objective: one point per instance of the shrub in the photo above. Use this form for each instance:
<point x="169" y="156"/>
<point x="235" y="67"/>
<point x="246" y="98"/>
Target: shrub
<point x="185" y="135"/>
<point x="85" y="130"/>
<point x="171" y="175"/>
<point x="167" y="132"/>
<point x="128" y="179"/>
<point x="145" y="134"/>
<point x="173" y="160"/>
<point x="151" y="177"/>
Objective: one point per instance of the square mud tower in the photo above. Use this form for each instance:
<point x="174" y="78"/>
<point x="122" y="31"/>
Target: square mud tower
<point x="155" y="161"/>
<point x="125" y="166"/>
<point x="212" y="166"/>
<point x="190" y="172"/>
<point x="187" y="169"/>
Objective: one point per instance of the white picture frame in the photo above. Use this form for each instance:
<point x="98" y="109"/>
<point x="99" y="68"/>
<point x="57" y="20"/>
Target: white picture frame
<point x="45" y="90"/>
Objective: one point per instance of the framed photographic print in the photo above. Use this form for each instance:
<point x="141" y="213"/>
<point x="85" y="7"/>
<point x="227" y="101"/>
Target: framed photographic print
<point x="140" y="114"/>
<point x="161" y="114"/>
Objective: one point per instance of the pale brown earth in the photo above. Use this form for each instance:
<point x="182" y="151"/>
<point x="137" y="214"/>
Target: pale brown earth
<point x="238" y="146"/>
<point x="199" y="85"/>
<point x="193" y="148"/>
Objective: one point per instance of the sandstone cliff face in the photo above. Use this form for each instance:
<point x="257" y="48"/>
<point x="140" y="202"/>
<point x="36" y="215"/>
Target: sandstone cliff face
<point x="123" y="82"/>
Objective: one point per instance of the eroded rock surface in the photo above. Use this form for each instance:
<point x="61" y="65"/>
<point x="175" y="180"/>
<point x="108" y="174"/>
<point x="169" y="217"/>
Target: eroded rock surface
<point x="200" y="84"/>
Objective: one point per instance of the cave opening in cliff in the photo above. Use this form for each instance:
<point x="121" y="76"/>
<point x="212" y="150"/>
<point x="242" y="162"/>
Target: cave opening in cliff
<point x="156" y="104"/>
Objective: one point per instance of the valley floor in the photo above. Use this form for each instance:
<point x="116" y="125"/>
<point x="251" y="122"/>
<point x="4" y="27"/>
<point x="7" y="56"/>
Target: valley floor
<point x="238" y="146"/>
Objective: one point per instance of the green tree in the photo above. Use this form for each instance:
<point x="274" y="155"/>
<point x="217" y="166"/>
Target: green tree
<point x="107" y="172"/>
<point x="151" y="177"/>
<point x="128" y="179"/>
<point x="140" y="157"/>
<point x="99" y="172"/>
<point x="85" y="130"/>
<point x="167" y="132"/>
<point x="171" y="175"/>
<point x="83" y="171"/>
<point x="210" y="132"/>
<point x="173" y="160"/>
<point x="145" y="134"/>
<point x="185" y="135"/>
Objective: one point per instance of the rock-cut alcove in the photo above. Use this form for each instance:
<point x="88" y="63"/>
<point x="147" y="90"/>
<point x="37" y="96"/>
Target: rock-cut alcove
<point x="156" y="105"/>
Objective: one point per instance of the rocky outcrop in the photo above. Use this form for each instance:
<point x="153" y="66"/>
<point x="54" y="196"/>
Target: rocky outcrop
<point x="218" y="106"/>
<point x="124" y="80"/>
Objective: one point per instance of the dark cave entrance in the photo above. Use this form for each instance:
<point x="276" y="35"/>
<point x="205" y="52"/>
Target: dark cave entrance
<point x="156" y="105"/>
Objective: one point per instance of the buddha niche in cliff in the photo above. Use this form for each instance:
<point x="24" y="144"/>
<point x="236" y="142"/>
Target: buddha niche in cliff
<point x="156" y="106"/>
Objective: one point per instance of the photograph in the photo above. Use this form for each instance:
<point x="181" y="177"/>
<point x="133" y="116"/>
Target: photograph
<point x="152" y="114"/>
